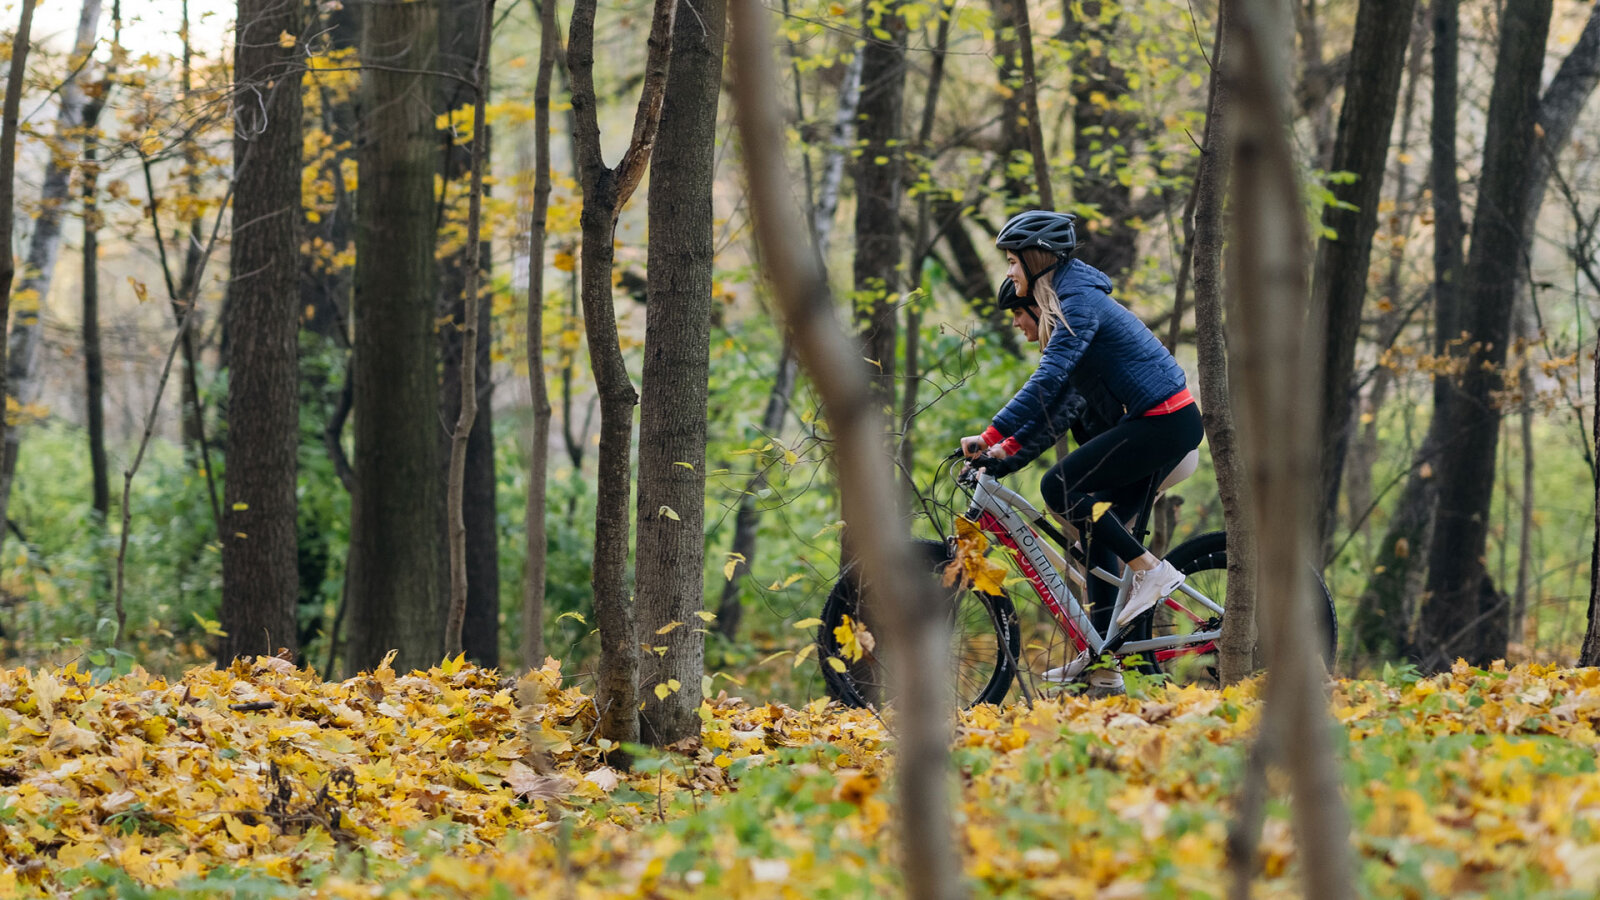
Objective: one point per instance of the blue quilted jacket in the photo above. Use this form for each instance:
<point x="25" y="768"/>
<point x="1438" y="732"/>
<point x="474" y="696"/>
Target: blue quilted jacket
<point x="1103" y="345"/>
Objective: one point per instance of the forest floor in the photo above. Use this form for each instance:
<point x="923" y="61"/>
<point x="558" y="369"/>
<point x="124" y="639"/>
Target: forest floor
<point x="265" y="781"/>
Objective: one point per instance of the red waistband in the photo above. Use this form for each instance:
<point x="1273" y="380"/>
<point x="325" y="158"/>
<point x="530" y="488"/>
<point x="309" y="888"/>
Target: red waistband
<point x="1171" y="404"/>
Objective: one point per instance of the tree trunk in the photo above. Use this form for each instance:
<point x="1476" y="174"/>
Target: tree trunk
<point x="1030" y="108"/>
<point x="1236" y="656"/>
<point x="922" y="249"/>
<point x="1364" y="448"/>
<point x="742" y="553"/>
<point x="1361" y="147"/>
<point x="879" y="186"/>
<point x="8" y="169"/>
<point x="394" y="593"/>
<point x="1317" y="81"/>
<point x="1104" y="135"/>
<point x="260" y="579"/>
<point x="1014" y="140"/>
<point x="672" y="409"/>
<point x="1589" y="653"/>
<point x="1272" y="341"/>
<point x="533" y="588"/>
<point x="1525" y="523"/>
<point x="1463" y="614"/>
<point x="22" y="359"/>
<point x="93" y="353"/>
<point x="467" y="393"/>
<point x="193" y="415"/>
<point x="1559" y="106"/>
<point x="928" y="854"/>
<point x="324" y="285"/>
<point x="1382" y="626"/>
<point x="605" y="192"/>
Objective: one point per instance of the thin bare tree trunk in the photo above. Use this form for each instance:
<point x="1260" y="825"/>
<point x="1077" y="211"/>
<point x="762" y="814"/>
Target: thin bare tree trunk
<point x="460" y="59"/>
<point x="1589" y="653"/>
<point x="456" y="483"/>
<point x="8" y="169"/>
<point x="1236" y="658"/>
<point x="22" y="359"/>
<point x="742" y="553"/>
<point x="921" y="248"/>
<point x="929" y="856"/>
<point x="533" y="588"/>
<point x="1103" y="119"/>
<point x="605" y="191"/>
<point x="1339" y="291"/>
<point x="1030" y="94"/>
<point x="93" y="351"/>
<point x="1519" y="598"/>
<point x="1272" y="344"/>
<point x="1364" y="448"/>
<point x="189" y="387"/>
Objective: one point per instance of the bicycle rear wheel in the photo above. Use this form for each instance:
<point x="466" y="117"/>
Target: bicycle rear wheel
<point x="984" y="641"/>
<point x="1204" y="562"/>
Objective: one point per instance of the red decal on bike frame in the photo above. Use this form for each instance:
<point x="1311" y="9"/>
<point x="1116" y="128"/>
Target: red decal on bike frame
<point x="1192" y="649"/>
<point x="989" y="523"/>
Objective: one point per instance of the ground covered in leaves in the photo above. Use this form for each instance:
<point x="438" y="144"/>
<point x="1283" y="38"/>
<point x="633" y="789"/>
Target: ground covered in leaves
<point x="265" y="781"/>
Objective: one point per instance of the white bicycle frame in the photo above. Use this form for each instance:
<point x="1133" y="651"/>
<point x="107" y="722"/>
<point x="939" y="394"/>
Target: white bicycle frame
<point x="1008" y="515"/>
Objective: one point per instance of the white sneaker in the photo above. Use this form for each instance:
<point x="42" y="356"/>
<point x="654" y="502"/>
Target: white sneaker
<point x="1106" y="680"/>
<point x="1068" y="672"/>
<point x="1149" y="588"/>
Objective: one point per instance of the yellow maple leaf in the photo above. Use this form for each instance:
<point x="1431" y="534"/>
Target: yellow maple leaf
<point x="971" y="566"/>
<point x="845" y="635"/>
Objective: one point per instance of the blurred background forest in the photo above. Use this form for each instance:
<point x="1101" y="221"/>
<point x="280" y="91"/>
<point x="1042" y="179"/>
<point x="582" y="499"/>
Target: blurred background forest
<point x="129" y="239"/>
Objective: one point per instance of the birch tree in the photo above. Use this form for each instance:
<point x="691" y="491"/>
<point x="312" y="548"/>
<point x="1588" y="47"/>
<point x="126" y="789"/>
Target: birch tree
<point x="44" y="245"/>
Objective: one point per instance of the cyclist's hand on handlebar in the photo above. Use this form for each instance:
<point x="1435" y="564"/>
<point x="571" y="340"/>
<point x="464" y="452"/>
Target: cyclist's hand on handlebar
<point x="997" y="464"/>
<point x="973" y="445"/>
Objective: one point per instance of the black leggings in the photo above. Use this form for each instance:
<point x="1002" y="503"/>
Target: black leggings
<point x="1116" y="468"/>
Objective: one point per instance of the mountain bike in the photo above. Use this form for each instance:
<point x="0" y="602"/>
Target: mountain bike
<point x="992" y="645"/>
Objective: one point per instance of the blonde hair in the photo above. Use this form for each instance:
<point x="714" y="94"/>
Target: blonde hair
<point x="1042" y="292"/>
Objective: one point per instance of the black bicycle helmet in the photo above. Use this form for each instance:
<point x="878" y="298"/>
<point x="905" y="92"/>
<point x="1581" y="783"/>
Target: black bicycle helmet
<point x="1007" y="298"/>
<point x="1039" y="229"/>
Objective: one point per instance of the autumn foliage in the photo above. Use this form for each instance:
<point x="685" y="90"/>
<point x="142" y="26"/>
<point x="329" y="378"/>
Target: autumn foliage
<point x="457" y="782"/>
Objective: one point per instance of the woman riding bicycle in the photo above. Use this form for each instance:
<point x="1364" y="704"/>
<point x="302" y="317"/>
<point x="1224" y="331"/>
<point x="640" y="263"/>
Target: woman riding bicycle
<point x="1088" y="339"/>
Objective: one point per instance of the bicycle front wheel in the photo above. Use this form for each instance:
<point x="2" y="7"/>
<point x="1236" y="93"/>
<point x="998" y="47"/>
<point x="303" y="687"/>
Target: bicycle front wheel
<point x="1204" y="562"/>
<point x="984" y="640"/>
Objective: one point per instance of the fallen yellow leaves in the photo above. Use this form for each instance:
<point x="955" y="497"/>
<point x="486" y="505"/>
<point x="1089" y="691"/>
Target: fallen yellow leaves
<point x="455" y="782"/>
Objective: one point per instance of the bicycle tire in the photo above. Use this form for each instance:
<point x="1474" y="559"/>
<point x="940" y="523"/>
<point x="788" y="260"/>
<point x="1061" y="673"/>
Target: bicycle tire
<point x="983" y="626"/>
<point x="1203" y="560"/>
